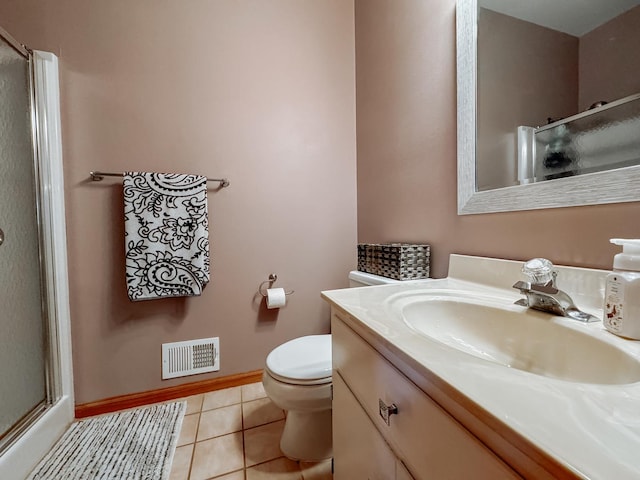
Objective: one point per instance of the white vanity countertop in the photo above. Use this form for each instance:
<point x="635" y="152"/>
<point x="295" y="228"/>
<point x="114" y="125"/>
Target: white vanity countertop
<point x="592" y="430"/>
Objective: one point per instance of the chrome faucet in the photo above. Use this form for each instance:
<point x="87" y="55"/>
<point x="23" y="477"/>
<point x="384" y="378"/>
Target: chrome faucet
<point x="542" y="293"/>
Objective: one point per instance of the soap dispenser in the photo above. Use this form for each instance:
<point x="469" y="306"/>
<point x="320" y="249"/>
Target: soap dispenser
<point x="622" y="291"/>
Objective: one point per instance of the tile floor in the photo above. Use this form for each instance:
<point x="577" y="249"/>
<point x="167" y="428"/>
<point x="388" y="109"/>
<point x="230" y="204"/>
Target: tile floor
<point x="234" y="434"/>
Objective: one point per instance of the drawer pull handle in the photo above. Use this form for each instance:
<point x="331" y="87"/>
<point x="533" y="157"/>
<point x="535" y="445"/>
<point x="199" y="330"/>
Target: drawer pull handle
<point x="387" y="410"/>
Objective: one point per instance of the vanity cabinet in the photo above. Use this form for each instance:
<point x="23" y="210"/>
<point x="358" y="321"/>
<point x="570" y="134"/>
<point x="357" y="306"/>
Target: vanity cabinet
<point x="373" y="441"/>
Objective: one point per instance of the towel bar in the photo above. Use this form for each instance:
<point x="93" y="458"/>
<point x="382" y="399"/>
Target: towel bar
<point x="97" y="176"/>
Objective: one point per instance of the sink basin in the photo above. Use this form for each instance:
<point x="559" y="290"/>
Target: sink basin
<point x="516" y="337"/>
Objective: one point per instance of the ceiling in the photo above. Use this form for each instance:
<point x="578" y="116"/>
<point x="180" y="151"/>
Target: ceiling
<point x="575" y="17"/>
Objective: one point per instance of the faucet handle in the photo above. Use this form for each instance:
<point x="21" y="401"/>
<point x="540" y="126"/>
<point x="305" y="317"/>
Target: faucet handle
<point x="540" y="271"/>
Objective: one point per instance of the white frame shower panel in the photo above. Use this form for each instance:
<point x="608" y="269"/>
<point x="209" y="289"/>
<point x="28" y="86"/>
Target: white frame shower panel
<point x="24" y="454"/>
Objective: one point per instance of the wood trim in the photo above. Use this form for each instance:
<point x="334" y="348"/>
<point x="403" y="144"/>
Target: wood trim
<point x="132" y="400"/>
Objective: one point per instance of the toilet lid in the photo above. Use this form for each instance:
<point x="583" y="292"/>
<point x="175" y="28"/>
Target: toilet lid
<point x="304" y="358"/>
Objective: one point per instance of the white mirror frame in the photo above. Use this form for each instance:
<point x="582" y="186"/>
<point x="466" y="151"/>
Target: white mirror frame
<point x="614" y="186"/>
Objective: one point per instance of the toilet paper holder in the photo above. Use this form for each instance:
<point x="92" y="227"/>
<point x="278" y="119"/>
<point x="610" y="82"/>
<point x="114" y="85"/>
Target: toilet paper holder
<point x="272" y="279"/>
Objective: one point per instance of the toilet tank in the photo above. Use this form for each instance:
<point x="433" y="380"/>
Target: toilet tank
<point x="362" y="279"/>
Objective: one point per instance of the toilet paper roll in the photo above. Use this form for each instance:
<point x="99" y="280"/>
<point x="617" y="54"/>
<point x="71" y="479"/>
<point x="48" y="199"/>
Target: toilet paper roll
<point x="276" y="298"/>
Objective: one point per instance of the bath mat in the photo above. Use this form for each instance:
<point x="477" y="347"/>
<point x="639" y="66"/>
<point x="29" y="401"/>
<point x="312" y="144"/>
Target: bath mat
<point x="132" y="445"/>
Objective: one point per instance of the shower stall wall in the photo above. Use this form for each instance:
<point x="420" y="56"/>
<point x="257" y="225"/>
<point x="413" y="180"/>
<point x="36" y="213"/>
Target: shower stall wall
<point x="36" y="397"/>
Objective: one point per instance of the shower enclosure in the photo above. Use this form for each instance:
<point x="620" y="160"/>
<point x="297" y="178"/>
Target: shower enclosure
<point x="23" y="376"/>
<point x="36" y="401"/>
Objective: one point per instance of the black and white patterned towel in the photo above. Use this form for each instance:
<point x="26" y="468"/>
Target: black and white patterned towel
<point x="166" y="235"/>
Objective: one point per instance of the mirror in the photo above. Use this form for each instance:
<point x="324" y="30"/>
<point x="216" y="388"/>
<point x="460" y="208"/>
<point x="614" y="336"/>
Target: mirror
<point x="526" y="138"/>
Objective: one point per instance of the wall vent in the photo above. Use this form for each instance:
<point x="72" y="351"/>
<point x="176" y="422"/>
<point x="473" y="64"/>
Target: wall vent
<point x="180" y="359"/>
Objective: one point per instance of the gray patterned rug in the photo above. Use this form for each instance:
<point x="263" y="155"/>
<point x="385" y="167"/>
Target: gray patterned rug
<point x="132" y="445"/>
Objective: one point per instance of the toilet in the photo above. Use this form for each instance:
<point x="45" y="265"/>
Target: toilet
<point x="297" y="378"/>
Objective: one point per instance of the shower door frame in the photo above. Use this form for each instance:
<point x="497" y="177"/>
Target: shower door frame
<point x="46" y="423"/>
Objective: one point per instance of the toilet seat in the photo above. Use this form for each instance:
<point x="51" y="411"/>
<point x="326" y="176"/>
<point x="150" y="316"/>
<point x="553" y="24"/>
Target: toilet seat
<point x="302" y="361"/>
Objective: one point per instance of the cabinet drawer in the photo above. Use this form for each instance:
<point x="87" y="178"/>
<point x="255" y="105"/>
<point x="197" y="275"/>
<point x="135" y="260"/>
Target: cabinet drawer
<point x="427" y="439"/>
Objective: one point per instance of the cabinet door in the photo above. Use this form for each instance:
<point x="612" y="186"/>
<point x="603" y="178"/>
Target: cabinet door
<point x="359" y="451"/>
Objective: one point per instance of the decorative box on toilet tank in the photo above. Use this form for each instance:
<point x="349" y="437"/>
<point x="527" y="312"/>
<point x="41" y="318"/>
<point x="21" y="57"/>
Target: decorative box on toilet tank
<point x="400" y="261"/>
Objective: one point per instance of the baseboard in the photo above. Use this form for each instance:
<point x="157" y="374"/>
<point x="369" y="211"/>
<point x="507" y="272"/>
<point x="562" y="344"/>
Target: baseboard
<point x="123" y="402"/>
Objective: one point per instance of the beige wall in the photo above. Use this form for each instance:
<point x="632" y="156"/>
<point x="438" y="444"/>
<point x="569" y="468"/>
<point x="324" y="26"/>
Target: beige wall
<point x="406" y="100"/>
<point x="259" y="91"/>
<point x="262" y="92"/>
<point x="609" y="60"/>
<point x="526" y="74"/>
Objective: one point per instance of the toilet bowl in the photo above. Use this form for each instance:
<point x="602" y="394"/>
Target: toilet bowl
<point x="297" y="378"/>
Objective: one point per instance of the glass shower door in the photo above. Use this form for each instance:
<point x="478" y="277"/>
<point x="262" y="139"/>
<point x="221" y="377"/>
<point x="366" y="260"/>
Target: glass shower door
<point x="23" y="371"/>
